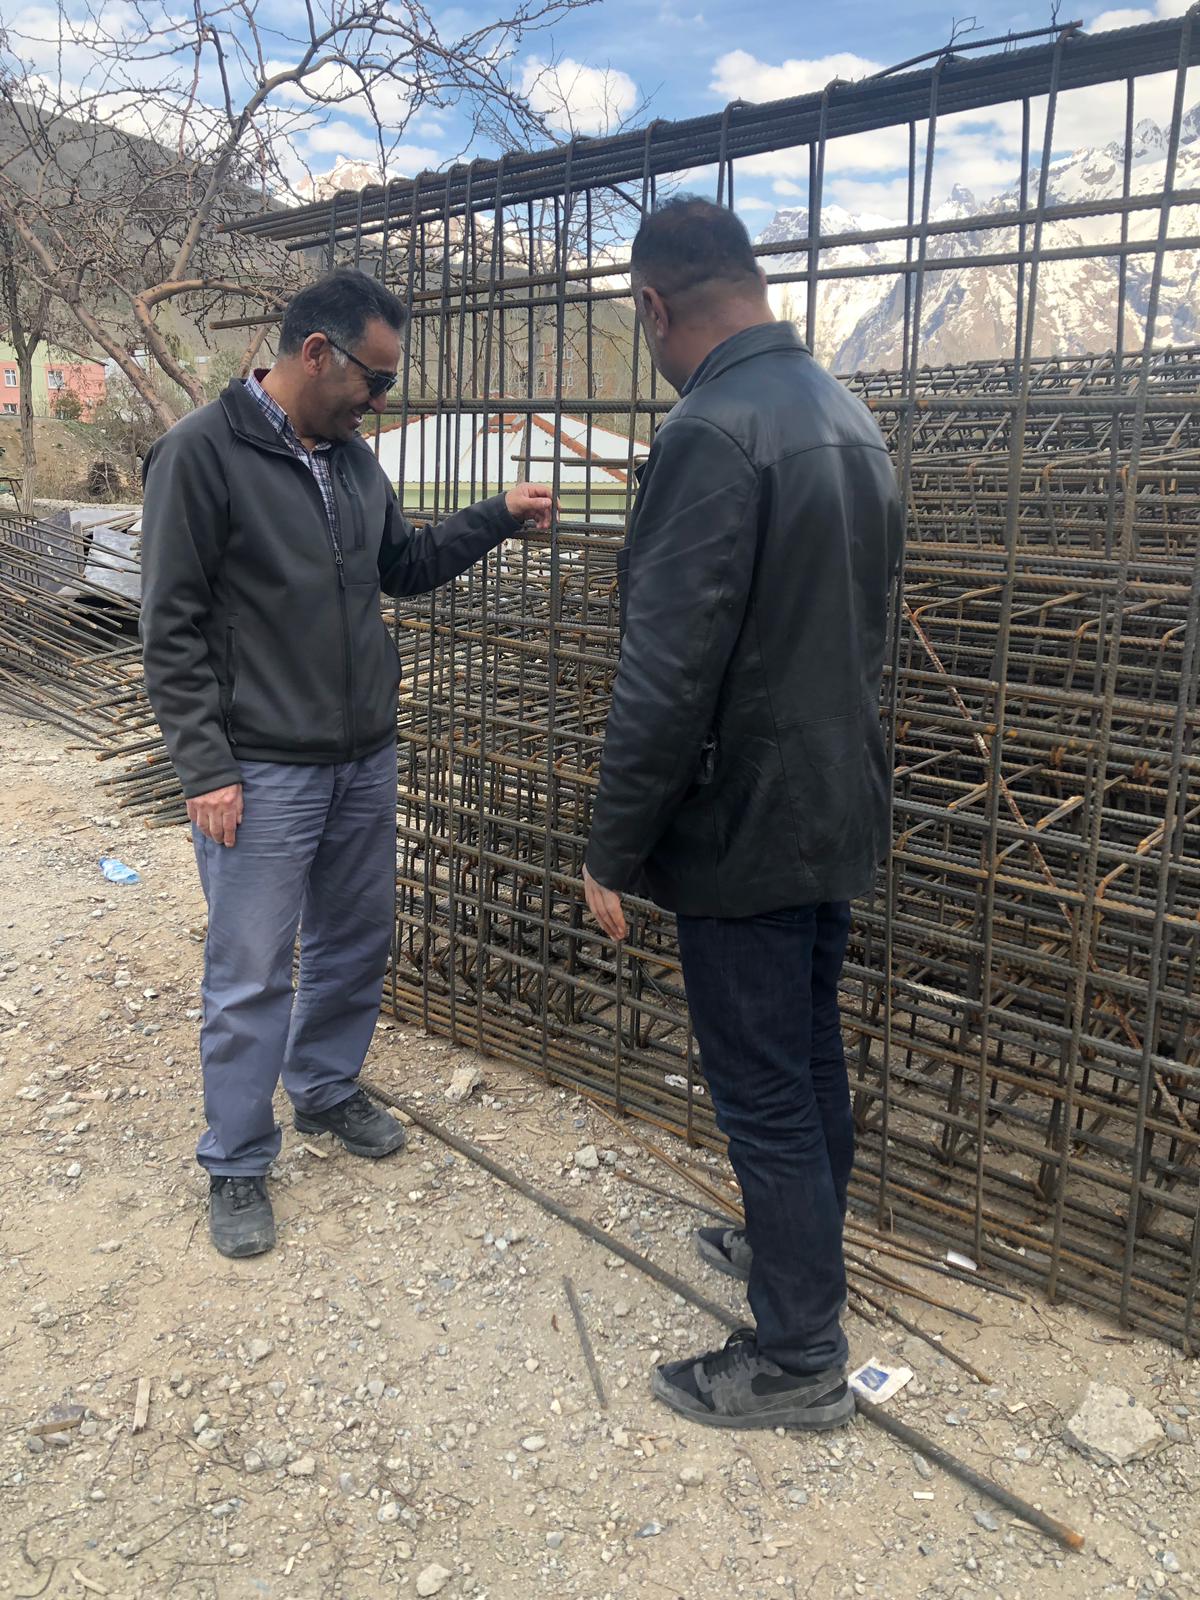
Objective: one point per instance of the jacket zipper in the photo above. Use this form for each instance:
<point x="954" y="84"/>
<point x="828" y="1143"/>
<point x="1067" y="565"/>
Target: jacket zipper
<point x="347" y="659"/>
<point x="347" y="663"/>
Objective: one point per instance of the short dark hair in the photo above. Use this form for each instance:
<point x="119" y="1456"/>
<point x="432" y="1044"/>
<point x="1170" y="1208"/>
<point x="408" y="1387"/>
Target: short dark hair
<point x="340" y="305"/>
<point x="688" y="241"/>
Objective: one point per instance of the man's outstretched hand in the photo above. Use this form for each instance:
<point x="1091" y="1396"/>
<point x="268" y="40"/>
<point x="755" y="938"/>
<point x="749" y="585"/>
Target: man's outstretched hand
<point x="605" y="906"/>
<point x="531" y="502"/>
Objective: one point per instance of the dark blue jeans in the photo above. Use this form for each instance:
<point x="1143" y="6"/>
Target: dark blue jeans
<point x="763" y="993"/>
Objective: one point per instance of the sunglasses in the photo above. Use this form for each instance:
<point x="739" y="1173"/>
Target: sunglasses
<point x="377" y="382"/>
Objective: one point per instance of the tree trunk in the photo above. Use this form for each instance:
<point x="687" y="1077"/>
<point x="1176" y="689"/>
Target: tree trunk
<point x="28" y="449"/>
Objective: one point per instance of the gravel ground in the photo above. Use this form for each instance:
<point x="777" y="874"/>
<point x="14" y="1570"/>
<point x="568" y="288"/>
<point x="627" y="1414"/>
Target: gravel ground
<point x="395" y="1400"/>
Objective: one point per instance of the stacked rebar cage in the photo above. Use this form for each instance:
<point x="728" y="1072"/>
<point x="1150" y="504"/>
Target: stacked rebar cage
<point x="1023" y="991"/>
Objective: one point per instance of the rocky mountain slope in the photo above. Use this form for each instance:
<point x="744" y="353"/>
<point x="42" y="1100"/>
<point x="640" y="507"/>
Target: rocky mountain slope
<point x="969" y="311"/>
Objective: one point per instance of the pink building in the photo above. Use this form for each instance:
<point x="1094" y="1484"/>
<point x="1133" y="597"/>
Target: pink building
<point x="55" y="373"/>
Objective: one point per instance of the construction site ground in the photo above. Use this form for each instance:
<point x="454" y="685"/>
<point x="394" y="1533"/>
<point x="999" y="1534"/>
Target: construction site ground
<point x="395" y="1401"/>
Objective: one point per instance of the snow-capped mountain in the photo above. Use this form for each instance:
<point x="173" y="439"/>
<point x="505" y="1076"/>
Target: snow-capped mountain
<point x="969" y="312"/>
<point x="345" y="176"/>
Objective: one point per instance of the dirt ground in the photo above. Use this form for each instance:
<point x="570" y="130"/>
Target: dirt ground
<point x="399" y="1386"/>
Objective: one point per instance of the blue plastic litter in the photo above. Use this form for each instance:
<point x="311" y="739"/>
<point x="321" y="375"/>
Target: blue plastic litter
<point x="117" y="872"/>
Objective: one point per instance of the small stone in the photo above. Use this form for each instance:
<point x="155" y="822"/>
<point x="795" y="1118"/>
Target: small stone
<point x="621" y="1308"/>
<point x="1111" y="1427"/>
<point x="1176" y="1433"/>
<point x="649" y="1530"/>
<point x="346" y="1482"/>
<point x="35" y="1445"/>
<point x="588" y="1158"/>
<point x="201" y="1422"/>
<point x="987" y="1521"/>
<point x="389" y="1512"/>
<point x="275" y="1454"/>
<point x="463" y="1084"/>
<point x="74" y="1170"/>
<point x="923" y="1469"/>
<point x="226" y="1508"/>
<point x="375" y="1388"/>
<point x="1169" y="1561"/>
<point x="534" y="1443"/>
<point x="252" y="1461"/>
<point x="237" y="1551"/>
<point x="109" y="1247"/>
<point x="209" y="1438"/>
<point x="531" y="1364"/>
<point x="1022" y="1453"/>
<point x="691" y="1477"/>
<point x="554" y="1540"/>
<point x="258" y="1350"/>
<point x="304" y="1468"/>
<point x="798" y="1497"/>
<point x="432" y="1580"/>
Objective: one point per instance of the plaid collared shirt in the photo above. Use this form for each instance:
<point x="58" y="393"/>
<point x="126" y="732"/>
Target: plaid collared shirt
<point x="317" y="461"/>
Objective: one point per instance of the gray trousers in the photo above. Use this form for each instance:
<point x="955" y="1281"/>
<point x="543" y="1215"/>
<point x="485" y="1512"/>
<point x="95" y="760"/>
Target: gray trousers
<point x="316" y="851"/>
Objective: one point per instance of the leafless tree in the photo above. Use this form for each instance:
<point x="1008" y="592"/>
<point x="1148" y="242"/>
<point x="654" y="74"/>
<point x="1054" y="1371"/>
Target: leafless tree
<point x="26" y="312"/>
<point x="127" y="145"/>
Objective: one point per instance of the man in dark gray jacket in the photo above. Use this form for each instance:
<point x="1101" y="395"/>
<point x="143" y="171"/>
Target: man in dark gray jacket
<point x="744" y="779"/>
<point x="269" y="530"/>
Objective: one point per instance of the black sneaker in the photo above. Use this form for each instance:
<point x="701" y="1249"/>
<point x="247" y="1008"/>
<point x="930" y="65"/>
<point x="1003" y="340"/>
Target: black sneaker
<point x="735" y="1387"/>
<point x="240" y="1219"/>
<point x="363" y="1127"/>
<point x="727" y="1249"/>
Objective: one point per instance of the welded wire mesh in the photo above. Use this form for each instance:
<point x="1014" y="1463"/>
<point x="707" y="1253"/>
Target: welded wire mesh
<point x="1022" y="995"/>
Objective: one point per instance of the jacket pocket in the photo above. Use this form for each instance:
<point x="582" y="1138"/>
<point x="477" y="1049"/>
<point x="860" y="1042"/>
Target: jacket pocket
<point x="230" y="694"/>
<point x="358" y="528"/>
<point x="706" y="766"/>
<point x="622" y="586"/>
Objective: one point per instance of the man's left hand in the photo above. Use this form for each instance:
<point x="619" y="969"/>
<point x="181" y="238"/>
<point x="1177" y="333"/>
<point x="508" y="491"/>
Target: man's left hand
<point x="605" y="906"/>
<point x="531" y="502"/>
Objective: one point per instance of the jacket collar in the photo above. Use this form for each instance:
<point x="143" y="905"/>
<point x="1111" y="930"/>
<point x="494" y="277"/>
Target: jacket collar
<point x="247" y="418"/>
<point x="250" y="422"/>
<point x="768" y="336"/>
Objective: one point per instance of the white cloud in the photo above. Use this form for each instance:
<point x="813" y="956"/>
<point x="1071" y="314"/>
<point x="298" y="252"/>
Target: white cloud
<point x="342" y="139"/>
<point x="1133" y="17"/>
<point x="335" y="84"/>
<point x="738" y="75"/>
<point x="980" y="151"/>
<point x="576" y="98"/>
<point x="671" y="15"/>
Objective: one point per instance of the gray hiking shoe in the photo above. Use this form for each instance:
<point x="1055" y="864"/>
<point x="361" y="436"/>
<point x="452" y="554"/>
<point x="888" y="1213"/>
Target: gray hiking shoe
<point x="726" y="1249"/>
<point x="363" y="1127"/>
<point x="240" y="1219"/>
<point x="735" y="1387"/>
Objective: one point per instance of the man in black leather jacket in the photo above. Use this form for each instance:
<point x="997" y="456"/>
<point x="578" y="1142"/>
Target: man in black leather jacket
<point x="744" y="780"/>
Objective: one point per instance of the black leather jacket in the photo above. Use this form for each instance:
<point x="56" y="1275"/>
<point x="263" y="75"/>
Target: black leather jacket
<point x="744" y="765"/>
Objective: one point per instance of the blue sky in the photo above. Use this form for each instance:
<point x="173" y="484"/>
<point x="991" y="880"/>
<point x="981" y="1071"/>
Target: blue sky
<point x="611" y="63"/>
<point x="689" y="57"/>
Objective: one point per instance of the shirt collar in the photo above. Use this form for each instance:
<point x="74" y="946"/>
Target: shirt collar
<point x="274" y="412"/>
